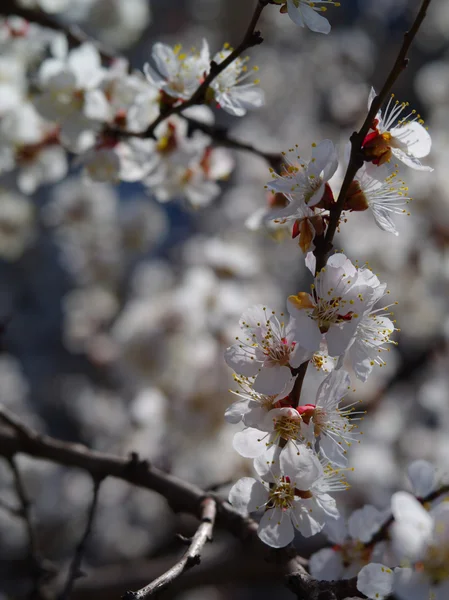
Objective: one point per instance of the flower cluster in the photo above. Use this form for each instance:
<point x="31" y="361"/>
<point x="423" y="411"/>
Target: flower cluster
<point x="299" y="443"/>
<point x="292" y="436"/>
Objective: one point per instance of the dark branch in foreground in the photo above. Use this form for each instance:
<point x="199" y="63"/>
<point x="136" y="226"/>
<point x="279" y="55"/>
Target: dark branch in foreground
<point x="190" y="558"/>
<point x="220" y="137"/>
<point x="40" y="569"/>
<point x="74" y="570"/>
<point x="75" y="36"/>
<point x="17" y="438"/>
<point x="306" y="587"/>
<point x="324" y="245"/>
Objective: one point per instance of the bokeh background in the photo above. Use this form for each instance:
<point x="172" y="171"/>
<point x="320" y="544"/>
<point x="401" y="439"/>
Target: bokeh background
<point x="119" y="309"/>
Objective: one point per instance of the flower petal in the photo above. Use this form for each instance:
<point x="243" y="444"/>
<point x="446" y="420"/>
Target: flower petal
<point x="276" y="529"/>
<point x="248" y="495"/>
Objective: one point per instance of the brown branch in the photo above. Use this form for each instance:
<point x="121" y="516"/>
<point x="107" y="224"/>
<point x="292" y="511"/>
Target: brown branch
<point x="74" y="570"/>
<point x="40" y="569"/>
<point x="324" y="245"/>
<point x="295" y="394"/>
<point x="226" y="564"/>
<point x="307" y="588"/>
<point x="181" y="496"/>
<point x="75" y="36"/>
<point x="220" y="137"/>
<point x="190" y="558"/>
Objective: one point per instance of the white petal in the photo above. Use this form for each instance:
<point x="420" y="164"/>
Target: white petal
<point x="250" y="442"/>
<point x="339" y="337"/>
<point x="314" y="21"/>
<point x="410" y="161"/>
<point x="311" y="262"/>
<point x="332" y="451"/>
<point x="165" y="59"/>
<point x="326" y="564"/>
<point x="276" y="529"/>
<point x="407" y="509"/>
<point x="422" y="477"/>
<point x="411" y="585"/>
<point x="324" y="160"/>
<point x="235" y="412"/>
<point x="309" y="517"/>
<point x="375" y="581"/>
<point x="267" y="464"/>
<point x="328" y="504"/>
<point x="336" y="530"/>
<point x="383" y="219"/>
<point x="295" y="14"/>
<point x="239" y="359"/>
<point x="412" y="528"/>
<point x="415" y="137"/>
<point x="301" y="465"/>
<point x="96" y="106"/>
<point x="364" y="523"/>
<point x="333" y="389"/>
<point x="272" y="380"/>
<point x="247" y="495"/>
<point x="308" y="334"/>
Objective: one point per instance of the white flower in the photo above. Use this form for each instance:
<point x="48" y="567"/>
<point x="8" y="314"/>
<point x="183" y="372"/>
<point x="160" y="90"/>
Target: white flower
<point x="412" y="528"/>
<point x="296" y="497"/>
<point x="341" y="295"/>
<point x="377" y="188"/>
<point x="280" y="428"/>
<point x="251" y="407"/>
<point x="102" y="164"/>
<point x="371" y="337"/>
<point x="375" y="581"/>
<point x="31" y="145"/>
<point x="422" y="476"/>
<point x="132" y="101"/>
<point x="50" y="6"/>
<point x="306" y="13"/>
<point x="304" y="184"/>
<point x="268" y="351"/>
<point x="326" y="424"/>
<point x="71" y="95"/>
<point x="350" y="551"/>
<point x="178" y="74"/>
<point x="16" y="225"/>
<point x="405" y="138"/>
<point x="423" y="539"/>
<point x="229" y="94"/>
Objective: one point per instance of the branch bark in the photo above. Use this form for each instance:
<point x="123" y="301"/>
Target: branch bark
<point x="74" y="570"/>
<point x="190" y="558"/>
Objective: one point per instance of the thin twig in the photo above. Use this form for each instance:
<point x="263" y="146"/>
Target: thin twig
<point x="324" y="245"/>
<point x="75" y="36"/>
<point x="190" y="558"/>
<point x="38" y="569"/>
<point x="74" y="570"/>
<point x="220" y="137"/>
